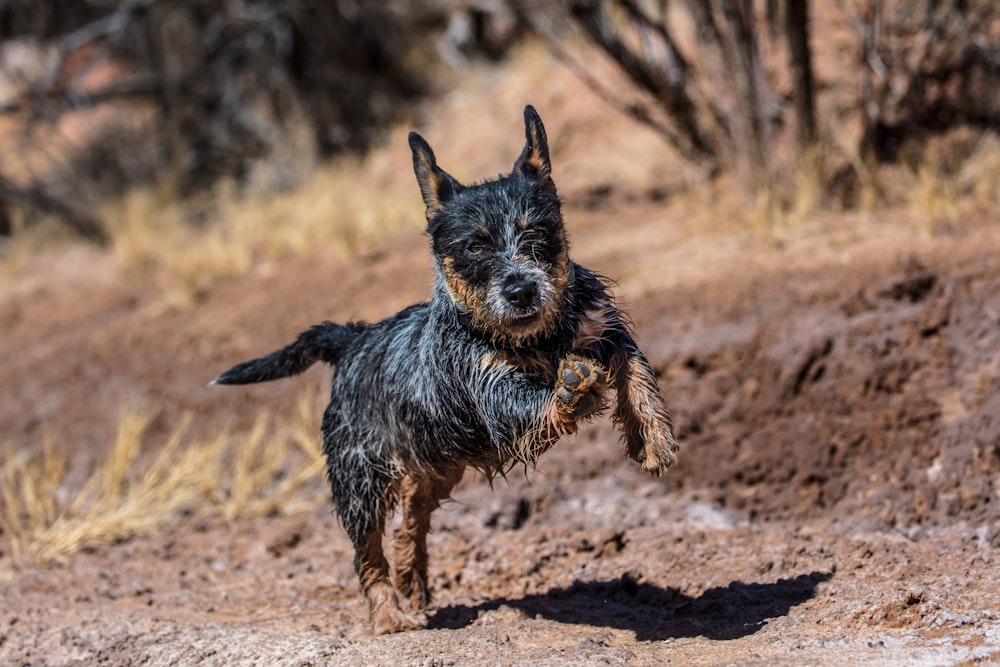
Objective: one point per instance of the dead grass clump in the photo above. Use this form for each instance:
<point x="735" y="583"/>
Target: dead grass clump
<point x="263" y="483"/>
<point x="187" y="246"/>
<point x="941" y="191"/>
<point x="807" y="187"/>
<point x="722" y="206"/>
<point x="938" y="190"/>
<point x="31" y="234"/>
<point x="977" y="180"/>
<point x="265" y="471"/>
<point x="934" y="202"/>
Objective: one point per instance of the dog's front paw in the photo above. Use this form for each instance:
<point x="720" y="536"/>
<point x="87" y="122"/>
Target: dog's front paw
<point x="659" y="451"/>
<point x="581" y="386"/>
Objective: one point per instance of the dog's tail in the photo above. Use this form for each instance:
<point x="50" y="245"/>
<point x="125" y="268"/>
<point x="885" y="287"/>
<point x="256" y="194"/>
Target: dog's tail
<point x="323" y="342"/>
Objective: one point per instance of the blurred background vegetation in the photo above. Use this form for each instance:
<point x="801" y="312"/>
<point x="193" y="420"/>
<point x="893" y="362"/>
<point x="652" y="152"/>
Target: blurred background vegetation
<point x="787" y="99"/>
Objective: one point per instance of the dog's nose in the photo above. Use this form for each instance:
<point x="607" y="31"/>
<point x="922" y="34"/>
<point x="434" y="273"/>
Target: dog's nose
<point x="520" y="294"/>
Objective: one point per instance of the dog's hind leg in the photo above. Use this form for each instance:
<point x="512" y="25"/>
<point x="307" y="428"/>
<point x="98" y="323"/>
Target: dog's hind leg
<point x="419" y="497"/>
<point x="365" y="494"/>
<point x="373" y="573"/>
<point x="383" y="603"/>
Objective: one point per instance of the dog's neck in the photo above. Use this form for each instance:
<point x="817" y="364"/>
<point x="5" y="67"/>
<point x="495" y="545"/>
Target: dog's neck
<point x="456" y="306"/>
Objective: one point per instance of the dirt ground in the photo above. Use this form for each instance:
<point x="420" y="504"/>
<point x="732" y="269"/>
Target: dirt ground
<point x="837" y="396"/>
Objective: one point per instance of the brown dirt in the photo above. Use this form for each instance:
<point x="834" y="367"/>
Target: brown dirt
<point x="836" y="502"/>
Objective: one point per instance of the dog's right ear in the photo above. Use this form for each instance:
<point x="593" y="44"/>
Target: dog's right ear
<point x="436" y="185"/>
<point x="534" y="160"/>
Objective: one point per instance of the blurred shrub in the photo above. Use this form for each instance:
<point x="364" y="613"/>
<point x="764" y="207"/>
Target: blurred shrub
<point x="732" y="84"/>
<point x="253" y="90"/>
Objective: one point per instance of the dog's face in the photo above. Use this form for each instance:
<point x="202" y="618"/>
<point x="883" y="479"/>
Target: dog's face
<point x="500" y="246"/>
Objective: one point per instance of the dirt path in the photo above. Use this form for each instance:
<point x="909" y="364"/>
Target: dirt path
<point x="836" y="501"/>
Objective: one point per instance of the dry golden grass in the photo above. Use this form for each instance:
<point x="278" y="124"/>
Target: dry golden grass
<point x="934" y="203"/>
<point x="263" y="472"/>
<point x="937" y="193"/>
<point x="186" y="247"/>
<point x="722" y="206"/>
<point x="941" y="192"/>
<point x="27" y="241"/>
<point x="977" y="178"/>
<point x="806" y="186"/>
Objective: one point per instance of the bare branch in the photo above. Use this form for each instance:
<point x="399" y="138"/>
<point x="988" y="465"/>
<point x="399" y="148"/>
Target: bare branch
<point x="112" y="24"/>
<point x="635" y="110"/>
<point x="672" y="94"/>
<point x="135" y="86"/>
<point x="34" y="196"/>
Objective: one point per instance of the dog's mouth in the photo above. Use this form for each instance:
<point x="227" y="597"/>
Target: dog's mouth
<point x="529" y="316"/>
<point x="526" y="325"/>
<point x="524" y="319"/>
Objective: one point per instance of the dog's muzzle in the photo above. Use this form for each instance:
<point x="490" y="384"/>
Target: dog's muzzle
<point x="521" y="293"/>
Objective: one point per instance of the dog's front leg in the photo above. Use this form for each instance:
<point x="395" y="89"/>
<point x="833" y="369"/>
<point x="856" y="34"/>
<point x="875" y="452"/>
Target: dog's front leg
<point x="640" y="411"/>
<point x="579" y="392"/>
<point x="642" y="414"/>
<point x="534" y="416"/>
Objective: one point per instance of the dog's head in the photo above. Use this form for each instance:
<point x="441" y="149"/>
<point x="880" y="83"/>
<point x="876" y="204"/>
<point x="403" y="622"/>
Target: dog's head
<point x="500" y="246"/>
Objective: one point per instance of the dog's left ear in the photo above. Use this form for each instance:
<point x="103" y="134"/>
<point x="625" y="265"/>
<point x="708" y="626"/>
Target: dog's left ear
<point x="534" y="161"/>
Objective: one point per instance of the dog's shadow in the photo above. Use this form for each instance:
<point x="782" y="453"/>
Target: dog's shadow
<point x="653" y="613"/>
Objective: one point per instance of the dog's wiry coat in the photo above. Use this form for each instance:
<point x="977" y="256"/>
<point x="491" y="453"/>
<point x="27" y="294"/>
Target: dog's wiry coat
<point x="517" y="345"/>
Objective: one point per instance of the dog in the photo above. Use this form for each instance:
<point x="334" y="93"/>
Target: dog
<point x="517" y="346"/>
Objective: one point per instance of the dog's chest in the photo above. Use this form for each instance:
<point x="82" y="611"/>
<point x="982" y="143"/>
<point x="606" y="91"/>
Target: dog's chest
<point x="537" y="365"/>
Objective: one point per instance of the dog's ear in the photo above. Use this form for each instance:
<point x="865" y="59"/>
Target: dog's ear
<point x="436" y="185"/>
<point x="534" y="160"/>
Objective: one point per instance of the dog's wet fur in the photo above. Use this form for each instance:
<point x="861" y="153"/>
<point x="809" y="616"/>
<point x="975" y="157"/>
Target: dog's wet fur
<point x="517" y="346"/>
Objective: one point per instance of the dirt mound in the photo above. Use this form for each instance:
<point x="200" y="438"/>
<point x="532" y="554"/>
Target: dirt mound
<point x="868" y="390"/>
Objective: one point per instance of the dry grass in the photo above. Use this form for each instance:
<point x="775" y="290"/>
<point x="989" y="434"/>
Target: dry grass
<point x="941" y="192"/>
<point x="722" y="206"/>
<point x="263" y="472"/>
<point x="807" y="188"/>
<point x="934" y="204"/>
<point x="792" y="197"/>
<point x="976" y="185"/>
<point x="938" y="192"/>
<point x="28" y="241"/>
<point x="186" y="247"/>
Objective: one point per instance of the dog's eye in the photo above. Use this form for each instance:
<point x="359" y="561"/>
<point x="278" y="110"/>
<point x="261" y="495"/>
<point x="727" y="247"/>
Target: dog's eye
<point x="476" y="247"/>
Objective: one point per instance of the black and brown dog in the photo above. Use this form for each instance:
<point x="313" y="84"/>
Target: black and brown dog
<point x="516" y="347"/>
